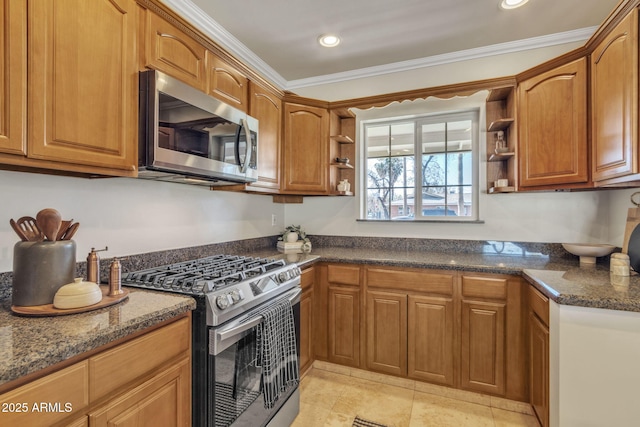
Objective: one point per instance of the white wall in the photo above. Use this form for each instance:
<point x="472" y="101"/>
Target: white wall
<point x="133" y="216"/>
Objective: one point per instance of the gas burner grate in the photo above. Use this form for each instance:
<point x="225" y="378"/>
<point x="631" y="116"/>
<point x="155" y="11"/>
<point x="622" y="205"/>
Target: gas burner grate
<point x="202" y="275"/>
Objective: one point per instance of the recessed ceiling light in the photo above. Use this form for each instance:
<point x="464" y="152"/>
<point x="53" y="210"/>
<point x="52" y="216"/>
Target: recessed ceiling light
<point x="329" y="40"/>
<point x="512" y="4"/>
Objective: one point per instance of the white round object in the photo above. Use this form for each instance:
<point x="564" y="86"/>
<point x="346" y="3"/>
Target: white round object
<point x="77" y="294"/>
<point x="588" y="252"/>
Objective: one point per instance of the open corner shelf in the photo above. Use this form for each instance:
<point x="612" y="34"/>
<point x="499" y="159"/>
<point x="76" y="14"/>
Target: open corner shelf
<point x="343" y="139"/>
<point x="342" y="165"/>
<point x="499" y="157"/>
<point x="500" y="124"/>
<point x="494" y="190"/>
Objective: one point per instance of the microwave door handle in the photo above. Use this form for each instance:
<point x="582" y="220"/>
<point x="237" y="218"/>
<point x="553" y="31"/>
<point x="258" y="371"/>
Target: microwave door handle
<point x="248" y="150"/>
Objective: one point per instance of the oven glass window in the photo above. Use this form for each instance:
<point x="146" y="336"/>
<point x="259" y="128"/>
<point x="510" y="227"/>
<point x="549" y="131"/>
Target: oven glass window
<point x="238" y="392"/>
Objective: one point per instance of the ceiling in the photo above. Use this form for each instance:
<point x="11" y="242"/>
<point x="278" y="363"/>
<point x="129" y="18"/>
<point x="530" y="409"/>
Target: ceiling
<point x="279" y="37"/>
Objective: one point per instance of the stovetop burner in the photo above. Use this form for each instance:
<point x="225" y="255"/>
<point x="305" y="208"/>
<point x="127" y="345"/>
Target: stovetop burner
<point x="203" y="275"/>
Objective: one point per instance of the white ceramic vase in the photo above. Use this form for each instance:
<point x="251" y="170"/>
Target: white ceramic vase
<point x="292" y="237"/>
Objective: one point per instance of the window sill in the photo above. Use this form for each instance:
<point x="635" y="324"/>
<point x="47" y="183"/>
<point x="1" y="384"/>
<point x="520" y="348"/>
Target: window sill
<point x="409" y="221"/>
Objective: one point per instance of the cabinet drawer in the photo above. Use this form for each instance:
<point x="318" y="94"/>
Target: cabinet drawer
<point x="47" y="400"/>
<point x="306" y="278"/>
<point x="484" y="287"/>
<point x="346" y="275"/>
<point x="439" y="283"/>
<point x="539" y="305"/>
<point x="117" y="367"/>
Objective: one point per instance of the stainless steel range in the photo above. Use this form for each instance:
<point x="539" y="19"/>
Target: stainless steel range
<point x="234" y="295"/>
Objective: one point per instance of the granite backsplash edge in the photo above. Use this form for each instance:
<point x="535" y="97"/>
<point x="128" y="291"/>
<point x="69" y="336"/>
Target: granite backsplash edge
<point x="153" y="259"/>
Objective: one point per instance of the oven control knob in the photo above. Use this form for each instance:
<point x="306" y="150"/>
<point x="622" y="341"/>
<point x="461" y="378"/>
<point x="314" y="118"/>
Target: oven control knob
<point x="283" y="277"/>
<point x="236" y="295"/>
<point x="222" y="301"/>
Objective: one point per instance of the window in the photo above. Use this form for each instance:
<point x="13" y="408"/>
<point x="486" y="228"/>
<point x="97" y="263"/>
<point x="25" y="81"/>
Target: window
<point x="422" y="168"/>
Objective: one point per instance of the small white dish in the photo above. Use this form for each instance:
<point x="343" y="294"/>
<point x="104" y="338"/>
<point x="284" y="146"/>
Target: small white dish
<point x="588" y="252"/>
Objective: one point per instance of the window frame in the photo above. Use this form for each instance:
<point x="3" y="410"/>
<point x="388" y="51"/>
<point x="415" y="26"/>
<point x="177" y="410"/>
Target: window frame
<point x="473" y="114"/>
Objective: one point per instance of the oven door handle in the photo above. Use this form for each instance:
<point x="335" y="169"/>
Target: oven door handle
<point x="237" y="330"/>
<point x="254" y="321"/>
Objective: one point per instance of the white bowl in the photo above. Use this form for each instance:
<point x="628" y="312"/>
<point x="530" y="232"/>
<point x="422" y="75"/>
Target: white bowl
<point x="588" y="252"/>
<point x="77" y="294"/>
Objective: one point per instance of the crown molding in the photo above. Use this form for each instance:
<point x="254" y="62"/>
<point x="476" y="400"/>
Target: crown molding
<point x="448" y="58"/>
<point x="205" y="23"/>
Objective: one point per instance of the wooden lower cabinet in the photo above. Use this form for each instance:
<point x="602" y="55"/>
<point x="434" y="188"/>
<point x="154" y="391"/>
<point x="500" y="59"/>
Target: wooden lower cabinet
<point x="387" y="332"/>
<point x="158" y="401"/>
<point x="539" y="355"/>
<point x="483" y="347"/>
<point x="344" y="325"/>
<point x="156" y="389"/>
<point x="306" y="319"/>
<point x="337" y="301"/>
<point x="430" y="339"/>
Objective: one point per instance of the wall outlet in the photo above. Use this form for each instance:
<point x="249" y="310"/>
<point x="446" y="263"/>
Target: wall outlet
<point x="273" y="220"/>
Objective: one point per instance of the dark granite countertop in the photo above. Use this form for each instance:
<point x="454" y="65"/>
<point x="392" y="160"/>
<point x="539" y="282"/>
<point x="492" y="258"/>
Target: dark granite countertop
<point x="563" y="280"/>
<point x="29" y="344"/>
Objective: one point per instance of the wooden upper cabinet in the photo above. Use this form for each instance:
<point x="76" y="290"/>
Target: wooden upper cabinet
<point x="553" y="144"/>
<point x="13" y="75"/>
<point x="614" y="106"/>
<point x="226" y="83"/>
<point x="267" y="108"/>
<point x="174" y="52"/>
<point x="83" y="82"/>
<point x="306" y="149"/>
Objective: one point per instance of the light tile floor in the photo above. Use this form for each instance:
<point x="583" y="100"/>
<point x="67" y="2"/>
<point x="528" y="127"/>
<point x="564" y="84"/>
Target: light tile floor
<point x="330" y="399"/>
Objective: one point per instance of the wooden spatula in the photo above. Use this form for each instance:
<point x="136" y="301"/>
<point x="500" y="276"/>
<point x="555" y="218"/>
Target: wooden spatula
<point x="30" y="229"/>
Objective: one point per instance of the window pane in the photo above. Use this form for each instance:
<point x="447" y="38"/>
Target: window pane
<point x="433" y="169"/>
<point x="459" y="168"/>
<point x="402" y="171"/>
<point x="402" y="139"/>
<point x="434" y="201"/>
<point x="378" y="173"/>
<point x="459" y="135"/>
<point x="459" y="200"/>
<point x="433" y="138"/>
<point x="403" y="204"/>
<point x="377" y="140"/>
<point x="378" y="204"/>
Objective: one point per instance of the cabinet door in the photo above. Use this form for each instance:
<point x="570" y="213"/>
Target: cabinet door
<point x="83" y="82"/>
<point x="539" y="369"/>
<point x="226" y="83"/>
<point x="306" y="149"/>
<point x="163" y="400"/>
<point x="483" y="344"/>
<point x="430" y="339"/>
<point x="553" y="145"/>
<point x="614" y="102"/>
<point x="267" y="108"/>
<point x="47" y="400"/>
<point x="387" y="332"/>
<point x="344" y="325"/>
<point x="172" y="51"/>
<point x="13" y="75"/>
<point x="306" y="319"/>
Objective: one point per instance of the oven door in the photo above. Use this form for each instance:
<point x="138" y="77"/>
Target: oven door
<point x="236" y="383"/>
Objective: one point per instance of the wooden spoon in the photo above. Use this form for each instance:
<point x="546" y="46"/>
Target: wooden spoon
<point x="49" y="221"/>
<point x="30" y="229"/>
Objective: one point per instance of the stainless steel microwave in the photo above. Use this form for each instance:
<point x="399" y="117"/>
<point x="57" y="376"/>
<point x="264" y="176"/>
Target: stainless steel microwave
<point x="187" y="136"/>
